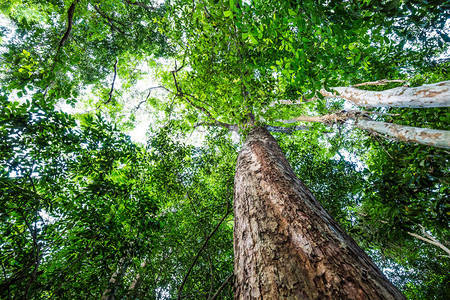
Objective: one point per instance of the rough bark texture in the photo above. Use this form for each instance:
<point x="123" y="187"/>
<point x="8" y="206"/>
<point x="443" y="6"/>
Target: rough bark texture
<point x="425" y="136"/>
<point x="428" y="95"/>
<point x="286" y="245"/>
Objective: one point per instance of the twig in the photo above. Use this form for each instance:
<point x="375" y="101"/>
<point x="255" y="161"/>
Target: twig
<point x="381" y="144"/>
<point x="180" y="289"/>
<point x="224" y="284"/>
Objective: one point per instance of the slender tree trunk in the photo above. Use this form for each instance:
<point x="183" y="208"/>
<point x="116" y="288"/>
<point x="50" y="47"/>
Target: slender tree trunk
<point x="425" y="136"/>
<point x="135" y="285"/>
<point x="115" y="280"/>
<point x="428" y="95"/>
<point x="286" y="245"/>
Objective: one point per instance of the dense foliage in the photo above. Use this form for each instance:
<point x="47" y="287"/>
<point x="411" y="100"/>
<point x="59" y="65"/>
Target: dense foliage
<point x="85" y="211"/>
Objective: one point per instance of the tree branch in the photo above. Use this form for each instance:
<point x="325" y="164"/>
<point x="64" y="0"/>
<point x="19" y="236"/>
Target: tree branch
<point x="148" y="95"/>
<point x="432" y="241"/>
<point x="224" y="284"/>
<point x="287" y="130"/>
<point x="140" y="4"/>
<point x="180" y="289"/>
<point x="114" y="80"/>
<point x="232" y="127"/>
<point x="110" y="20"/>
<point x="69" y="24"/>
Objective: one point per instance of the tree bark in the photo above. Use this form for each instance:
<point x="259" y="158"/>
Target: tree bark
<point x="115" y="280"/>
<point x="286" y="245"/>
<point x="428" y="95"/>
<point x="424" y="136"/>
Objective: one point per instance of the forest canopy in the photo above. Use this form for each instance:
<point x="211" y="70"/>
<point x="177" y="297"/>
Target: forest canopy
<point x="355" y="93"/>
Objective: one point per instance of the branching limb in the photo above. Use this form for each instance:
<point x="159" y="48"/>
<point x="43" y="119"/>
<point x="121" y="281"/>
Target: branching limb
<point x="148" y="95"/>
<point x="425" y="136"/>
<point x="137" y="279"/>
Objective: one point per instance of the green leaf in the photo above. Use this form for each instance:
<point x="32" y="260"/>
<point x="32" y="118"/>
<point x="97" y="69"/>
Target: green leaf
<point x="227" y="13"/>
<point x="292" y="13"/>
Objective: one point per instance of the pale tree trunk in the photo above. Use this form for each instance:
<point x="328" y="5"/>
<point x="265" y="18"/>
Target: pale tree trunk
<point x="286" y="245"/>
<point x="425" y="136"/>
<point x="428" y="95"/>
<point x="135" y="285"/>
<point x="115" y="280"/>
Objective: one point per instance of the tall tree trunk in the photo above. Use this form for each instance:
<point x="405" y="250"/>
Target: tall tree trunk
<point x="286" y="245"/>
<point x="428" y="95"/>
<point x="425" y="136"/>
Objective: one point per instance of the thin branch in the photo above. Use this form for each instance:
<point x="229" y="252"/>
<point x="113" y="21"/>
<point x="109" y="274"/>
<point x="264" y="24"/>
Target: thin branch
<point x="114" y="80"/>
<point x="287" y="130"/>
<point x="375" y="135"/>
<point x="180" y="289"/>
<point x="300" y="101"/>
<point x="432" y="241"/>
<point x="224" y="284"/>
<point x="68" y="267"/>
<point x="232" y="127"/>
<point x="110" y="20"/>
<point x="201" y="108"/>
<point x="140" y="4"/>
<point x="148" y="95"/>
<point x="206" y="9"/>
